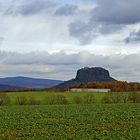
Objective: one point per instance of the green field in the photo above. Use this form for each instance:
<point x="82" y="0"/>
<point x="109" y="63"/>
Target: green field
<point x="70" y="122"/>
<point x="99" y="121"/>
<point x="43" y="94"/>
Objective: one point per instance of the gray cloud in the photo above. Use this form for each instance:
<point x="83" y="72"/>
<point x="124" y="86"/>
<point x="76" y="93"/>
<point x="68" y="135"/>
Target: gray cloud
<point x="30" y="25"/>
<point x="36" y="6"/>
<point x="117" y="12"/>
<point x="107" y="18"/>
<point x="107" y="29"/>
<point x="134" y="37"/>
<point x="85" y="24"/>
<point x="60" y="58"/>
<point x="66" y="10"/>
<point x="64" y="66"/>
<point x="33" y="7"/>
<point x="87" y="32"/>
<point x="30" y="7"/>
<point x="83" y="31"/>
<point x="1" y="40"/>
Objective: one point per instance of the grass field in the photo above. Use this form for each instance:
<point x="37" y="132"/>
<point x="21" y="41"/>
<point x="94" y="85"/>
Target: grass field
<point x="42" y="95"/>
<point x="70" y="122"/>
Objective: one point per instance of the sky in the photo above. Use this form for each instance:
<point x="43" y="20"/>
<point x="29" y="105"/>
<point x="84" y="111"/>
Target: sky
<point x="53" y="38"/>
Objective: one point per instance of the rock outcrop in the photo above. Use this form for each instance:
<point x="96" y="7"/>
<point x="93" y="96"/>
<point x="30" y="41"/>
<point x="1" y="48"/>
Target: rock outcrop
<point x="94" y="74"/>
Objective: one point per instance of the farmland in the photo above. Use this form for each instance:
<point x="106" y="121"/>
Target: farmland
<point x="42" y="95"/>
<point x="115" y="121"/>
<point x="68" y="120"/>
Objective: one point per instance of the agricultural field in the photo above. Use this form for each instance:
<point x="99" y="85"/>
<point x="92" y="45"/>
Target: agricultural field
<point x="69" y="115"/>
<point x="44" y="94"/>
<point x="73" y="122"/>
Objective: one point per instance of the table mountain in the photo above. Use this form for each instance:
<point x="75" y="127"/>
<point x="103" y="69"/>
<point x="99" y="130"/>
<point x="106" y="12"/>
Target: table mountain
<point x="94" y="74"/>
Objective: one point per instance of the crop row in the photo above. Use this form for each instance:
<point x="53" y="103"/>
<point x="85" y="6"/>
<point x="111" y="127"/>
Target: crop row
<point x="75" y="122"/>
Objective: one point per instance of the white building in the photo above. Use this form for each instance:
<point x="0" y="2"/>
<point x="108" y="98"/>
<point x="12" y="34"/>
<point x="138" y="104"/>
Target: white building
<point x="89" y="90"/>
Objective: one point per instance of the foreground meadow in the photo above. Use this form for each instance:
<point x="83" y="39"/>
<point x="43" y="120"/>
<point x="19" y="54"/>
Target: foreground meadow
<point x="41" y="95"/>
<point x="69" y="115"/>
<point x="73" y="122"/>
<point x="47" y="98"/>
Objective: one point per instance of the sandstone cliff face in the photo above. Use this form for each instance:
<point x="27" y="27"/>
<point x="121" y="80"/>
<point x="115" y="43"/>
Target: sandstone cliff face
<point x="94" y="74"/>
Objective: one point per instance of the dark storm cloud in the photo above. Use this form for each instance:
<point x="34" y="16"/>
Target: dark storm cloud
<point x="134" y="37"/>
<point x="66" y="10"/>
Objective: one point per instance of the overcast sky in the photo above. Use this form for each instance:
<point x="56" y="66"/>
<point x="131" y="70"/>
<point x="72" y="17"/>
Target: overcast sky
<point x="54" y="38"/>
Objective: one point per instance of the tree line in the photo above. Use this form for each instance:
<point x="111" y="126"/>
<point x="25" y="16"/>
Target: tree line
<point x="115" y="86"/>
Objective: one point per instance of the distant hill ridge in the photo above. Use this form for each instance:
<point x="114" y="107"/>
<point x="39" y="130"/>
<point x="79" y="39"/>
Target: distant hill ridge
<point x="94" y="74"/>
<point x="8" y="87"/>
<point x="17" y="82"/>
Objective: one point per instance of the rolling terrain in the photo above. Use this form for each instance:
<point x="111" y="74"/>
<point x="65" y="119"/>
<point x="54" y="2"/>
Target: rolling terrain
<point x="26" y="82"/>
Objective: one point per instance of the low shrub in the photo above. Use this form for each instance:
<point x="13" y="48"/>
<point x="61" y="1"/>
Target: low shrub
<point x="124" y="97"/>
<point x="56" y="99"/>
<point x="112" y="98"/>
<point x="77" y="100"/>
<point x="134" y="97"/>
<point x="115" y="97"/>
<point x="106" y="99"/>
<point x="33" y="101"/>
<point x="4" y="99"/>
<point x="21" y="100"/>
<point x="89" y="99"/>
